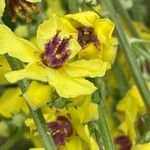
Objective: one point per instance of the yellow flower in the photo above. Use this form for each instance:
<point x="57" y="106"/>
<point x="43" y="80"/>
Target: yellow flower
<point x="11" y="102"/>
<point x="128" y="109"/>
<point x="94" y="35"/>
<point x="67" y="126"/>
<point x="4" y="68"/>
<point x="53" y="60"/>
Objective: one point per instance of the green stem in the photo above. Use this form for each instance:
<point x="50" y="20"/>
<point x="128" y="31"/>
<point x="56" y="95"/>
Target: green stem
<point x="13" y="140"/>
<point x="143" y="53"/>
<point x="120" y="78"/>
<point x="135" y="70"/>
<point x="102" y="123"/>
<point x="128" y="22"/>
<point x="37" y="115"/>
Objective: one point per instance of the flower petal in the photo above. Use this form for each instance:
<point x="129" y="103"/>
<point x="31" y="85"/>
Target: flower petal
<point x="86" y="18"/>
<point x="11" y="102"/>
<point x="86" y="68"/>
<point x="90" y="52"/>
<point x="32" y="71"/>
<point x="15" y="46"/>
<point x="74" y="143"/>
<point x="64" y="85"/>
<point x="70" y="87"/>
<point x="49" y="28"/>
<point x="109" y="51"/>
<point x="86" y="112"/>
<point x="145" y="146"/>
<point x="104" y="29"/>
<point x="38" y="95"/>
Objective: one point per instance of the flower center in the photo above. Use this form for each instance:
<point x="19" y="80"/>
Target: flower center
<point x="56" y="51"/>
<point x="123" y="142"/>
<point x="21" y="8"/>
<point x="86" y="35"/>
<point x="60" y="130"/>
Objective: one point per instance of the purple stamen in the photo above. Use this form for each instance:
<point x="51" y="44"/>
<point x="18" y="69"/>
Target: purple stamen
<point x="56" y="51"/>
<point x="123" y="142"/>
<point x="60" y="129"/>
<point x="86" y="35"/>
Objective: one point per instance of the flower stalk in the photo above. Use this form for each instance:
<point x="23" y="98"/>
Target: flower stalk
<point x="102" y="123"/>
<point x="37" y="115"/>
<point x="120" y="78"/>
<point x="128" y="21"/>
<point x="135" y="70"/>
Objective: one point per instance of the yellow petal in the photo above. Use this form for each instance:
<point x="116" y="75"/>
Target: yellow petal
<point x="86" y="112"/>
<point x="34" y="72"/>
<point x="90" y="52"/>
<point x="4" y="68"/>
<point x="145" y="146"/>
<point x="130" y="113"/>
<point x="11" y="102"/>
<point x="74" y="143"/>
<point x="86" y="18"/>
<point x="15" y="46"/>
<point x="109" y="51"/>
<point x="86" y="68"/>
<point x="64" y="85"/>
<point x="92" y="143"/>
<point x="38" y="95"/>
<point x="70" y="87"/>
<point x="2" y="7"/>
<point x="104" y="29"/>
<point x="135" y="94"/>
<point x="48" y="29"/>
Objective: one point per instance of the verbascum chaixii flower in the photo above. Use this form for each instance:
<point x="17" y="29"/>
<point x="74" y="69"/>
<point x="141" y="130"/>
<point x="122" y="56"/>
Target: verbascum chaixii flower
<point x="68" y="128"/>
<point x="2" y="7"/>
<point x="11" y="102"/>
<point x="129" y="108"/>
<point x="4" y="68"/>
<point x="94" y="35"/>
<point x="53" y="60"/>
<point x="22" y="8"/>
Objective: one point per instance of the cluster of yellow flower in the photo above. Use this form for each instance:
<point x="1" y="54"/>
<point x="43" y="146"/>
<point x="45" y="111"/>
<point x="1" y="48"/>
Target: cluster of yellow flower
<point x="61" y="62"/>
